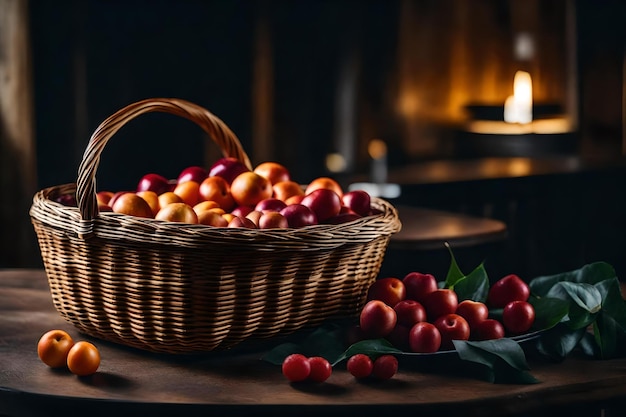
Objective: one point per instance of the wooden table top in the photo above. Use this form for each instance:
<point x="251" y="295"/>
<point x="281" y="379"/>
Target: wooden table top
<point x="239" y="383"/>
<point x="425" y="229"/>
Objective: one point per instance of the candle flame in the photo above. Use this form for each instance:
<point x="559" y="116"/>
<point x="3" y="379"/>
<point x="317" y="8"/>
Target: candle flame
<point x="518" y="108"/>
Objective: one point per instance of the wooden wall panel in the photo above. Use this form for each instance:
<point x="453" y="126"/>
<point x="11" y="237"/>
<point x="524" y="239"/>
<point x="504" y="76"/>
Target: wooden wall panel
<point x="17" y="148"/>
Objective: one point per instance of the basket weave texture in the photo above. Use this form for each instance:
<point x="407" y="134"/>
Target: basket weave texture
<point x="187" y="288"/>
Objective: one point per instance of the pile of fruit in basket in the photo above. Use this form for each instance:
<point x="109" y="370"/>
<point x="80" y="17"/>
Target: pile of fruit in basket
<point x="230" y="194"/>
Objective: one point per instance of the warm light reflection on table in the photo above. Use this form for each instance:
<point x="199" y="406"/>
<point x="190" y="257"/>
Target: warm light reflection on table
<point x="552" y="126"/>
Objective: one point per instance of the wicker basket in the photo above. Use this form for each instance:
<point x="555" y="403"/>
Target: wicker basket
<point x="186" y="288"/>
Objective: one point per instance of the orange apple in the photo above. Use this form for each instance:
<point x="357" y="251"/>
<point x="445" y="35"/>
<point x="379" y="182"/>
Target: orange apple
<point x="133" y="205"/>
<point x="204" y="206"/>
<point x="169" y="197"/>
<point x="285" y="189"/>
<point x="248" y="188"/>
<point x="152" y="199"/>
<point x="177" y="212"/>
<point x="104" y="197"/>
<point x="324" y="182"/>
<point x="273" y="171"/>
<point x="212" y="218"/>
<point x="189" y="192"/>
<point x="254" y="215"/>
<point x="294" y="199"/>
<point x="228" y="216"/>
<point x="53" y="348"/>
<point x="217" y="189"/>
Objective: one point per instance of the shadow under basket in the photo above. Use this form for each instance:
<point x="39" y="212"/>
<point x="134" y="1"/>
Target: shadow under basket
<point x="189" y="288"/>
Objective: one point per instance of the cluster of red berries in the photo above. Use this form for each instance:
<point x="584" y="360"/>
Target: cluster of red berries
<point x="298" y="367"/>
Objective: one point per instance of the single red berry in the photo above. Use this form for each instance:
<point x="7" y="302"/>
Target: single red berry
<point x="296" y="367"/>
<point x="320" y="369"/>
<point x="360" y="365"/>
<point x="385" y="367"/>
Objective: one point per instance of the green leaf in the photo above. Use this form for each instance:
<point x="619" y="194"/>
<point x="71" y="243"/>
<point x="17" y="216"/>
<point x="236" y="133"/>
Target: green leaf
<point x="610" y="325"/>
<point x="474" y="286"/>
<point x="589" y="346"/>
<point x="548" y="311"/>
<point x="589" y="274"/>
<point x="613" y="302"/>
<point x="370" y="347"/>
<point x="559" y="342"/>
<point x="503" y="358"/>
<point x="586" y="296"/>
<point x="325" y="341"/>
<point x="585" y="302"/>
<point x="277" y="355"/>
<point x="454" y="272"/>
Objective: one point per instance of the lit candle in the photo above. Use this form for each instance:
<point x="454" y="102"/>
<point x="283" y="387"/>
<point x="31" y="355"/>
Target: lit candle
<point x="518" y="108"/>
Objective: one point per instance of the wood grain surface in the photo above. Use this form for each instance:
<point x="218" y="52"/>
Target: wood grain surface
<point x="238" y="382"/>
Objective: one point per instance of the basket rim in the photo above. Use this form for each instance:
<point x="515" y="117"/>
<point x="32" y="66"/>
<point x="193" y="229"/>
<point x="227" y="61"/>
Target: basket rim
<point x="117" y="226"/>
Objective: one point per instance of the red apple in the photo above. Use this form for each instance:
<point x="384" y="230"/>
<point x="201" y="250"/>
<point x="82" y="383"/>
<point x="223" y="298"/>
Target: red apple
<point x="389" y="290"/>
<point x="409" y="312"/>
<point x="272" y="220"/>
<point x="242" y="222"/>
<point x="472" y="311"/>
<point x="228" y="168"/>
<point x="424" y="337"/>
<point x="418" y="285"/>
<point x="377" y="319"/>
<point x="66" y="200"/>
<point x="385" y="367"/>
<point x="324" y="202"/>
<point x="154" y="182"/>
<point x="354" y="334"/>
<point x="440" y="302"/>
<point x="342" y="218"/>
<point x="507" y="289"/>
<point x="242" y="211"/>
<point x="518" y="316"/>
<point x="399" y="337"/>
<point x="192" y="173"/>
<point x="298" y="215"/>
<point x="358" y="201"/>
<point x="273" y="171"/>
<point x="249" y="188"/>
<point x="270" y="204"/>
<point x="452" y="327"/>
<point x="488" y="329"/>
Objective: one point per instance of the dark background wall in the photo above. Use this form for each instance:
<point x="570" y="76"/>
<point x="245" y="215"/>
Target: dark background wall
<point x="90" y="58"/>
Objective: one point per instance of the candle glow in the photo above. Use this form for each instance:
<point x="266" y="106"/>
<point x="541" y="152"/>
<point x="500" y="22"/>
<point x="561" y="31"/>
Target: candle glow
<point x="518" y="108"/>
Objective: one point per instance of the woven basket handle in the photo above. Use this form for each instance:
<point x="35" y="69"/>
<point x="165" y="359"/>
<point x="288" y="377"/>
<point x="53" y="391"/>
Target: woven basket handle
<point x="216" y="128"/>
